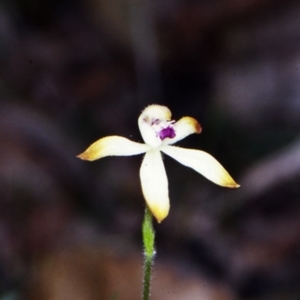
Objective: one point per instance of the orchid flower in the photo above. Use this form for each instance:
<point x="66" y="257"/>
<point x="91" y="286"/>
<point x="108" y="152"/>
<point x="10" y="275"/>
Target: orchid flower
<point x="159" y="133"/>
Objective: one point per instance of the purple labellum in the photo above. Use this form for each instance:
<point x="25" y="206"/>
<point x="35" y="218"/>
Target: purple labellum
<point x="168" y="132"/>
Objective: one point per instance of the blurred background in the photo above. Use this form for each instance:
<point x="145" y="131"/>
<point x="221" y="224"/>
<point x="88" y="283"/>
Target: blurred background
<point x="74" y="71"/>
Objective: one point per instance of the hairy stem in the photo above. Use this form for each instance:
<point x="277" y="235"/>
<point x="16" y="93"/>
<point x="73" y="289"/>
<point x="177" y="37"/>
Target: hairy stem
<point x="149" y="252"/>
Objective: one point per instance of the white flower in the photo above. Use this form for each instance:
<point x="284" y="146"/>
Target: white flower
<point x="159" y="132"/>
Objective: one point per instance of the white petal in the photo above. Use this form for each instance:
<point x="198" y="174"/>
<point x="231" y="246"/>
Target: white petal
<point x="184" y="127"/>
<point x="148" y="134"/>
<point x="203" y="163"/>
<point x="155" y="184"/>
<point x="150" y="115"/>
<point x="112" y="145"/>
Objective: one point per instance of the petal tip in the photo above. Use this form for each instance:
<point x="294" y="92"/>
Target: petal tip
<point x="160" y="217"/>
<point x="235" y="186"/>
<point x="227" y="182"/>
<point x="159" y="210"/>
<point x="83" y="156"/>
<point x="158" y="111"/>
<point x="232" y="185"/>
<point x="196" y="125"/>
<point x="197" y="128"/>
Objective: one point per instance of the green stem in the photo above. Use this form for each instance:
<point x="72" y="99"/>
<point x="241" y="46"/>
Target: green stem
<point x="149" y="251"/>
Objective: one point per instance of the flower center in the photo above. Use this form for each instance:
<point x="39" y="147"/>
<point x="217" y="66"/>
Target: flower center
<point x="167" y="132"/>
